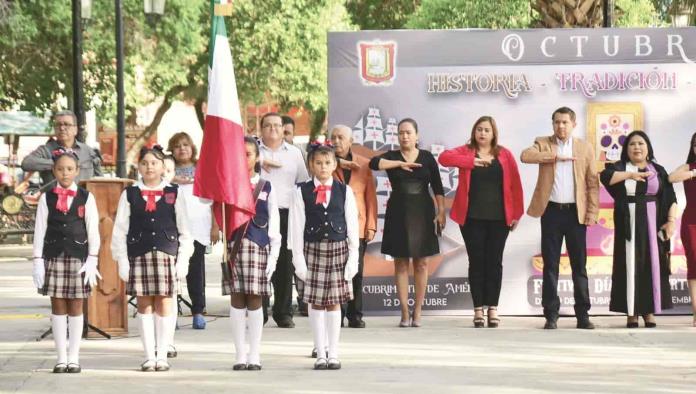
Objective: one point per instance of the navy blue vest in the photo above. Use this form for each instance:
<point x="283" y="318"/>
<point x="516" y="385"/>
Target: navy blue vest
<point x="66" y="232"/>
<point x="324" y="223"/>
<point x="152" y="231"/>
<point x="257" y="231"/>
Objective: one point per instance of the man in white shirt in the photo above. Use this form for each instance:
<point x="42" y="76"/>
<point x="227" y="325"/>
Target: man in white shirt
<point x="291" y="171"/>
<point x="566" y="198"/>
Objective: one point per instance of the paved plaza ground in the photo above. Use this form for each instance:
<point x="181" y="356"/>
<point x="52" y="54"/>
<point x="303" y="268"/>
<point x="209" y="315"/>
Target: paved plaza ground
<point x="446" y="355"/>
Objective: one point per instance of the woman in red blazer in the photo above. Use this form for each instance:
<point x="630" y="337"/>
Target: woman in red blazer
<point x="487" y="206"/>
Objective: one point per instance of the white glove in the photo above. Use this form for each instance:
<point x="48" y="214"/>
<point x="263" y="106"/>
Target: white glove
<point x="123" y="269"/>
<point x="182" y="266"/>
<point x="270" y="267"/>
<point x="90" y="270"/>
<point x="39" y="274"/>
<point x="300" y="268"/>
<point x="350" y="271"/>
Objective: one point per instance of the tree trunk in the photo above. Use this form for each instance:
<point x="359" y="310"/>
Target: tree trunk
<point x="150" y="129"/>
<point x="568" y="13"/>
<point x="198" y="106"/>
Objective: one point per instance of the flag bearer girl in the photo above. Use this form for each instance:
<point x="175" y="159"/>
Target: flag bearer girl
<point x="324" y="237"/>
<point x="66" y="248"/>
<point x="253" y="266"/>
<point x="152" y="246"/>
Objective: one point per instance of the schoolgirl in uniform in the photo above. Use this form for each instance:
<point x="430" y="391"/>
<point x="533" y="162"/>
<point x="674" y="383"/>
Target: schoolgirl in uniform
<point x="152" y="246"/>
<point x="66" y="248"/>
<point x="324" y="238"/>
<point x="253" y="266"/>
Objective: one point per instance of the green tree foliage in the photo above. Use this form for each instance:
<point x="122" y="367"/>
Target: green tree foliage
<point x="381" y="14"/>
<point x="493" y="14"/>
<point x="637" y="13"/>
<point x="36" y="53"/>
<point x="279" y="49"/>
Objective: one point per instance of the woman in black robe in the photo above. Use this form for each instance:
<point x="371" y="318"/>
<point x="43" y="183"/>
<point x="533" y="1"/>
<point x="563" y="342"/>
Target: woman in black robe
<point x="644" y="220"/>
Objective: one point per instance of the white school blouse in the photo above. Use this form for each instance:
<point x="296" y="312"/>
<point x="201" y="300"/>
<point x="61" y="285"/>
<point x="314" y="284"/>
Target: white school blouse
<point x="91" y="222"/>
<point x="296" y="225"/>
<point x="119" y="247"/>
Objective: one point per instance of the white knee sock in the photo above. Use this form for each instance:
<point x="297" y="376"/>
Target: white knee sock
<point x="75" y="326"/>
<point x="255" y="330"/>
<point x="333" y="329"/>
<point x="59" y="326"/>
<point x="317" y="318"/>
<point x="310" y="314"/>
<point x="147" y="335"/>
<point x="238" y="319"/>
<point x="174" y="314"/>
<point x="162" y="326"/>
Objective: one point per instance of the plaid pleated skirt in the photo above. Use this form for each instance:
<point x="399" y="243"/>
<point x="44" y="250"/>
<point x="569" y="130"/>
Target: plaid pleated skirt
<point x="249" y="273"/>
<point x="153" y="274"/>
<point x="62" y="279"/>
<point x="326" y="262"/>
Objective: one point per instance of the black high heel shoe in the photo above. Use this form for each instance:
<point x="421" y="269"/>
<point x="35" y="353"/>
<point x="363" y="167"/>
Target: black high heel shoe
<point x="493" y="321"/>
<point x="648" y="324"/>
<point x="631" y="323"/>
<point x="479" y="322"/>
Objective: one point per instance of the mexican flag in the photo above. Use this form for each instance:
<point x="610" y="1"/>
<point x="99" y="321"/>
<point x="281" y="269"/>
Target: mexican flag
<point x="221" y="172"/>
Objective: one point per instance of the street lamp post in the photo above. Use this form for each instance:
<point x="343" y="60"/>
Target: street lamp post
<point x="608" y="13"/>
<point x="153" y="11"/>
<point x="120" y="95"/>
<point x="81" y="9"/>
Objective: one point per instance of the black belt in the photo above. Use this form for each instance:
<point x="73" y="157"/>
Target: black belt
<point x="410" y="188"/>
<point x="640" y="199"/>
<point x="564" y="205"/>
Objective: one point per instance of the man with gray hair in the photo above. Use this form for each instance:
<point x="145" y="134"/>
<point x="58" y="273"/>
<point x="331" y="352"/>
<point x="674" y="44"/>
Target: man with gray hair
<point x="353" y="170"/>
<point x="65" y="129"/>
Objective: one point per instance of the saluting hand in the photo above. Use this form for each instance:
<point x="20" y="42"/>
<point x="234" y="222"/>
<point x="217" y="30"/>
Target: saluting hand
<point x="565" y="158"/>
<point x="640" y="176"/>
<point x="348" y="165"/>
<point x="482" y="162"/>
<point x="406" y="166"/>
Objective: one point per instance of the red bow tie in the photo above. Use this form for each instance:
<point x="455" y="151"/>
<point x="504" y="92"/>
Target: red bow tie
<point x="321" y="191"/>
<point x="62" y="204"/>
<point x="151" y="203"/>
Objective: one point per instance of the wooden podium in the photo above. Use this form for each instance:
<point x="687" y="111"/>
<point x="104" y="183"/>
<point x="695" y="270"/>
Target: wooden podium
<point x="107" y="306"/>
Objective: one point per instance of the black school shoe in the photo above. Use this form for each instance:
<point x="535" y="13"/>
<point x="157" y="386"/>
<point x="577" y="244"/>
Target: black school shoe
<point x="60" y="368"/>
<point x="74" y="368"/>
<point x="357" y="323"/>
<point x="172" y="353"/>
<point x="253" y="367"/>
<point x="550" y="325"/>
<point x="585" y="324"/>
<point x="286" y="323"/>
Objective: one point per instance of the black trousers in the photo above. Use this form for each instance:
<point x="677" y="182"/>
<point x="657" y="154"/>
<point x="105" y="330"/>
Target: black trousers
<point x="195" y="279"/>
<point x="561" y="221"/>
<point x="353" y="308"/>
<point x="282" y="277"/>
<point x="485" y="244"/>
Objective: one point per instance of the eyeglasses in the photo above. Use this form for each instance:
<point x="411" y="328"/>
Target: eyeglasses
<point x="61" y="124"/>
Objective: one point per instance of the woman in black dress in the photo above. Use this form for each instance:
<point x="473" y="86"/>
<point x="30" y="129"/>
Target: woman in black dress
<point x="411" y="217"/>
<point x="645" y="211"/>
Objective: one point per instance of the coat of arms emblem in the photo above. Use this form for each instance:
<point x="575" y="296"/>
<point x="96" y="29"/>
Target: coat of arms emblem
<point x="377" y="62"/>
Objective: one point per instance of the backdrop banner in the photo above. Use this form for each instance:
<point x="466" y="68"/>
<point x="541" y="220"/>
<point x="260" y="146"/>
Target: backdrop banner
<point x="616" y="80"/>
